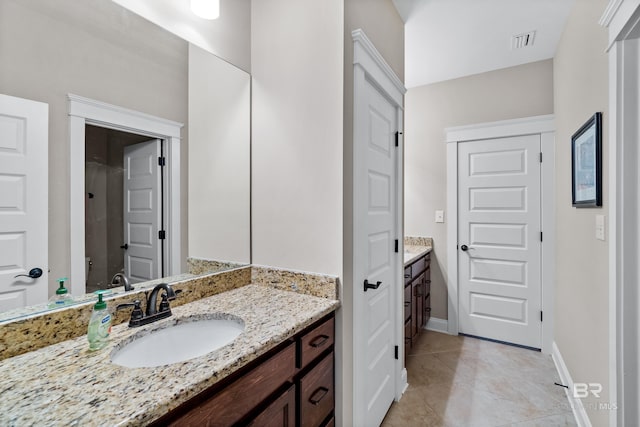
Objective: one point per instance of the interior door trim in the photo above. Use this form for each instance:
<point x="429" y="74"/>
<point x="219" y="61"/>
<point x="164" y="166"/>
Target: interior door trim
<point x="83" y="111"/>
<point x="537" y="125"/>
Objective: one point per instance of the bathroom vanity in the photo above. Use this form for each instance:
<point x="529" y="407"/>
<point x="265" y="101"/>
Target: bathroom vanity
<point x="417" y="293"/>
<point x="265" y="392"/>
<point x="278" y="371"/>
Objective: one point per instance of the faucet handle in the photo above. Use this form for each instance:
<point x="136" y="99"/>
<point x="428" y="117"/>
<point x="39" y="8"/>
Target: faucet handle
<point x="164" y="304"/>
<point x="136" y="313"/>
<point x="175" y="294"/>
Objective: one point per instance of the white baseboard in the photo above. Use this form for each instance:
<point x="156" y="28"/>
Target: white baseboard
<point x="582" y="419"/>
<point x="404" y="383"/>
<point x="438" y="325"/>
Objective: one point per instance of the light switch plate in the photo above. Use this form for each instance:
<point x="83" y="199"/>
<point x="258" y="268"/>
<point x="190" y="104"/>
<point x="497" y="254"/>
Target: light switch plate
<point x="600" y="227"/>
<point x="439" y="216"/>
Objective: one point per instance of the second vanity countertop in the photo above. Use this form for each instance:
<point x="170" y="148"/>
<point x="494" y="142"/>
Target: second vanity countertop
<point x="66" y="384"/>
<point x="413" y="252"/>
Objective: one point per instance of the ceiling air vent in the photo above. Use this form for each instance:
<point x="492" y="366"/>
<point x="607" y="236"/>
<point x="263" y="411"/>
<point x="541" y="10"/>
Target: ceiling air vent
<point x="523" y="40"/>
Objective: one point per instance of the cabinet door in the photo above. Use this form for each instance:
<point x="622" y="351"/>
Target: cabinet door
<point x="236" y="400"/>
<point x="420" y="303"/>
<point x="417" y="306"/>
<point x="407" y="302"/>
<point x="280" y="413"/>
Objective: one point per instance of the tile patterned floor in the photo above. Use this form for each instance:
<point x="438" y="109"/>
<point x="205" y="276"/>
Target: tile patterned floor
<point x="457" y="381"/>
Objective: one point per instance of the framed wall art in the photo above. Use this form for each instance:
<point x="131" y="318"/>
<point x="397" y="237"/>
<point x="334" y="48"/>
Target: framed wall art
<point x="586" y="164"/>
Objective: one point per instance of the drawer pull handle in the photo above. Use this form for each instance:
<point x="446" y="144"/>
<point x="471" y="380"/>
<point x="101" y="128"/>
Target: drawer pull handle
<point x="428" y="281"/>
<point x="318" y="341"/>
<point x="428" y="310"/>
<point x="407" y="276"/>
<point x="407" y="303"/>
<point x="318" y="395"/>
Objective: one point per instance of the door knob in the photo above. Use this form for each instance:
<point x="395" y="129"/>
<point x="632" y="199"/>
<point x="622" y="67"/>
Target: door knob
<point x="34" y="273"/>
<point x="125" y="246"/>
<point x="368" y="285"/>
<point x="464" y="248"/>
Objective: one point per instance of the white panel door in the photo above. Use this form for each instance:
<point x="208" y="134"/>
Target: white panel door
<point x="499" y="239"/>
<point x="23" y="201"/>
<point x="142" y="211"/>
<point x="377" y="216"/>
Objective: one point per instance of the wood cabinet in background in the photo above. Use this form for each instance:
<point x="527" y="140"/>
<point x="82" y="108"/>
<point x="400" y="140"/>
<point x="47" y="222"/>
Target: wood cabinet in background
<point x="292" y="385"/>
<point x="417" y="299"/>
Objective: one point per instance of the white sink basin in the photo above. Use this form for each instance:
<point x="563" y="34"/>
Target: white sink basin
<point x="177" y="343"/>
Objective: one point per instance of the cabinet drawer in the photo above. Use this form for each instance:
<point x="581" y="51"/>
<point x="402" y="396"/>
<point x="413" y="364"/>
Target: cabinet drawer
<point x="280" y="413"/>
<point x="407" y="302"/>
<point x="315" y="342"/>
<point x="229" y="405"/>
<point x="407" y="275"/>
<point x="317" y="393"/>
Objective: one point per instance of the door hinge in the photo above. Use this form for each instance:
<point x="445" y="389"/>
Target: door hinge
<point x="541" y="315"/>
<point x="541" y="236"/>
<point x="396" y="246"/>
<point x="398" y="137"/>
<point x="162" y="235"/>
<point x="162" y="161"/>
<point x="396" y="352"/>
<point x="541" y="157"/>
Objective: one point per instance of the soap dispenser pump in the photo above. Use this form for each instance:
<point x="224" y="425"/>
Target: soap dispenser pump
<point x="61" y="297"/>
<point x="100" y="323"/>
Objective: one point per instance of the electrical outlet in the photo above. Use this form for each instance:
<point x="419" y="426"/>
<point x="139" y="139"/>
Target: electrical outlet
<point x="600" y="227"/>
<point x="439" y="216"/>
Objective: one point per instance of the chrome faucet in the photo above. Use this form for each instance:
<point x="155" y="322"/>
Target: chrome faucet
<point x="121" y="279"/>
<point x="152" y="313"/>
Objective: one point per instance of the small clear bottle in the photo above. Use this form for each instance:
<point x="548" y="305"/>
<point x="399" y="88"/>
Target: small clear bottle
<point x="62" y="297"/>
<point x="99" y="324"/>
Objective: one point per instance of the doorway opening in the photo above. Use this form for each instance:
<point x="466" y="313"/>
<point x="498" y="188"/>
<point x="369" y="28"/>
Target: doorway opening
<point x="123" y="211"/>
<point x="85" y="111"/>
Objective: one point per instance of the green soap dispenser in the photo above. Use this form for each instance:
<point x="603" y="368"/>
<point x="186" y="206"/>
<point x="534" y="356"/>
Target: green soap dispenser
<point x="100" y="323"/>
<point x="62" y="297"/>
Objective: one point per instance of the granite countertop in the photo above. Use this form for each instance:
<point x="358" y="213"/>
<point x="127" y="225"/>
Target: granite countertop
<point x="66" y="384"/>
<point x="413" y="252"/>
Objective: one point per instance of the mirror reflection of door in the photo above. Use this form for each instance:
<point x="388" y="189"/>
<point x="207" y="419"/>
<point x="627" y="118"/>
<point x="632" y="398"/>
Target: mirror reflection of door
<point x="115" y="241"/>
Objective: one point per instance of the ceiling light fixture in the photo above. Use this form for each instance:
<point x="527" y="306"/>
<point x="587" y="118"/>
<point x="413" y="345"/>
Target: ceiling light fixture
<point x="207" y="9"/>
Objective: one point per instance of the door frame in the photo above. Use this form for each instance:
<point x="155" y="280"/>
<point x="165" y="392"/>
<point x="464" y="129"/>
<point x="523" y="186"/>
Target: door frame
<point x="370" y="66"/>
<point x="622" y="19"/>
<point x="84" y="111"/>
<point x="538" y="125"/>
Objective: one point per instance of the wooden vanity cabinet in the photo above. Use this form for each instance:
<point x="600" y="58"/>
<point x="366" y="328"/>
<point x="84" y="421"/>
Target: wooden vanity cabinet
<point x="292" y="385"/>
<point x="417" y="298"/>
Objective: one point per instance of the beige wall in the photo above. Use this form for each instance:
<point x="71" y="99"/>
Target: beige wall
<point x="219" y="159"/>
<point x="94" y="49"/>
<point x="228" y="37"/>
<point x="522" y="91"/>
<point x="384" y="27"/>
<point x="296" y="189"/>
<point x="581" y="308"/>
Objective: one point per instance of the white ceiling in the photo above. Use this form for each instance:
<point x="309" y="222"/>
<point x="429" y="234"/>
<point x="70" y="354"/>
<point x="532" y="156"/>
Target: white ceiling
<point x="447" y="39"/>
